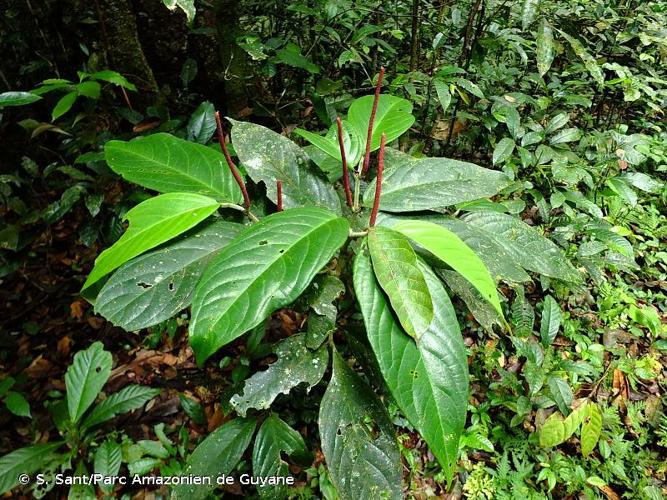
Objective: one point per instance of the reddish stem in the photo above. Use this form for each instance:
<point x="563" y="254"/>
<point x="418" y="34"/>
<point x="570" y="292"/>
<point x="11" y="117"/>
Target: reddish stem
<point x="279" y="188"/>
<point x="230" y="163"/>
<point x="378" y="182"/>
<point x="346" y="174"/>
<point x="371" y="121"/>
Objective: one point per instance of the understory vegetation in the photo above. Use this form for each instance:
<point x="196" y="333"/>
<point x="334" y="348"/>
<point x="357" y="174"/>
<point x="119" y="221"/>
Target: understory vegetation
<point x="333" y="249"/>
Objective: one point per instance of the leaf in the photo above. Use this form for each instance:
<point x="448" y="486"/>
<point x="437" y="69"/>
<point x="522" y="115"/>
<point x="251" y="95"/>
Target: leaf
<point x="264" y="268"/>
<point x="393" y="118"/>
<point x="591" y="429"/>
<point x="561" y="393"/>
<point x="429" y="378"/>
<point x="329" y="143"/>
<point x="273" y="439"/>
<point x="644" y="182"/>
<point x="556" y="122"/>
<point x="17" y="99"/>
<point x="216" y="455"/>
<point x="202" y="123"/>
<point x="167" y="164"/>
<point x="501" y="236"/>
<point x="442" y="91"/>
<point x="565" y="135"/>
<point x="451" y="250"/>
<point x="552" y="432"/>
<point x="395" y="266"/>
<point x="152" y="223"/>
<point x="589" y="61"/>
<point x="268" y="157"/>
<point x="551" y="320"/>
<point x="322" y="321"/>
<point x="574" y="420"/>
<point x="483" y="312"/>
<point x="528" y="13"/>
<point x="187" y="6"/>
<point x="108" y="458"/>
<point x="25" y="461"/>
<point x="127" y="399"/>
<point x="358" y="438"/>
<point x="153" y="287"/>
<point x="296" y="364"/>
<point x="412" y="184"/>
<point x="292" y="56"/>
<point x="17" y="404"/>
<point x="112" y="77"/>
<point x="470" y="87"/>
<point x="85" y="378"/>
<point x="89" y="89"/>
<point x="63" y="105"/>
<point x="619" y="186"/>
<point x="503" y="150"/>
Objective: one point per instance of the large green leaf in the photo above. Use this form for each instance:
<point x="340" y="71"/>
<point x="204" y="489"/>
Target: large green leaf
<point x="393" y="117"/>
<point x="127" y="399"/>
<point x="395" y="266"/>
<point x="296" y="364"/>
<point x="216" y="455"/>
<point x="545" y="51"/>
<point x="275" y="438"/>
<point x="589" y="61"/>
<point x="152" y="223"/>
<point x="450" y="249"/>
<point x="358" y="438"/>
<point x="25" y="461"/>
<point x="428" y="378"/>
<point x="269" y="157"/>
<point x="17" y="99"/>
<point x="85" y="378"/>
<point x="167" y="164"/>
<point x="153" y="287"/>
<point x="500" y="237"/>
<point x="413" y="184"/>
<point x="265" y="268"/>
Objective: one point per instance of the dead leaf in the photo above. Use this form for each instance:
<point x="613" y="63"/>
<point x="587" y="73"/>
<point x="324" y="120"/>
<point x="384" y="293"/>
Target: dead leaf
<point x="76" y="309"/>
<point x="64" y="345"/>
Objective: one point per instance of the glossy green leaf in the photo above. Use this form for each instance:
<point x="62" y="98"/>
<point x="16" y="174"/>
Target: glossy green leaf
<point x="566" y="135"/>
<point x="395" y="266"/>
<point x="216" y="455"/>
<point x="266" y="267"/>
<point x="17" y="99"/>
<point x="591" y="429"/>
<point x="153" y="287"/>
<point x="442" y="91"/>
<point x="152" y="223"/>
<point x="393" y="117"/>
<point x="451" y="250"/>
<point x="129" y="398"/>
<point x="85" y="378"/>
<point x="63" y="105"/>
<point x="201" y="126"/>
<point x="329" y="143"/>
<point x="545" y="51"/>
<point x="275" y="438"/>
<point x="358" y="439"/>
<point x="503" y="150"/>
<point x="428" y="378"/>
<point x="529" y="12"/>
<point x="556" y="122"/>
<point x="26" y="460"/>
<point x="589" y="61"/>
<point x="269" y="157"/>
<point x="470" y="87"/>
<point x="17" y="404"/>
<point x="412" y="184"/>
<point x="167" y="164"/>
<point x="551" y="320"/>
<point x="296" y="364"/>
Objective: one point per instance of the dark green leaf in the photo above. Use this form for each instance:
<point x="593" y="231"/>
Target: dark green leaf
<point x="25" y="461"/>
<point x="17" y="404"/>
<point x="551" y="320"/>
<point x="127" y="399"/>
<point x="202" y="123"/>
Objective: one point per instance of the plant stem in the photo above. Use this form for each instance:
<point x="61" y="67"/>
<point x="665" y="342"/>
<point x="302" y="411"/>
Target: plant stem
<point x="357" y="191"/>
<point x="279" y="188"/>
<point x="358" y="234"/>
<point x="230" y="164"/>
<point x="378" y="182"/>
<point x="346" y="174"/>
<point x="371" y="120"/>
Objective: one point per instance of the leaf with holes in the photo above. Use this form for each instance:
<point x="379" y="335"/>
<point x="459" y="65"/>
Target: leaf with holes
<point x="153" y="287"/>
<point x="358" y="438"/>
<point x="216" y="455"/>
<point x="296" y="364"/>
<point x="591" y="429"/>
<point x="85" y="378"/>
<point x="152" y="223"/>
<point x="428" y="378"/>
<point x="266" y="267"/>
<point x="167" y="164"/>
<point x="269" y="157"/>
<point x="416" y="184"/>
<point x="25" y="461"/>
<point x="395" y="266"/>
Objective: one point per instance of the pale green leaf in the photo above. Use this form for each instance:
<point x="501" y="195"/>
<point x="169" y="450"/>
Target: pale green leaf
<point x="552" y="432"/>
<point x="442" y="91"/>
<point x="85" y="378"/>
<point x="17" y="99"/>
<point x="591" y="429"/>
<point x="529" y="12"/>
